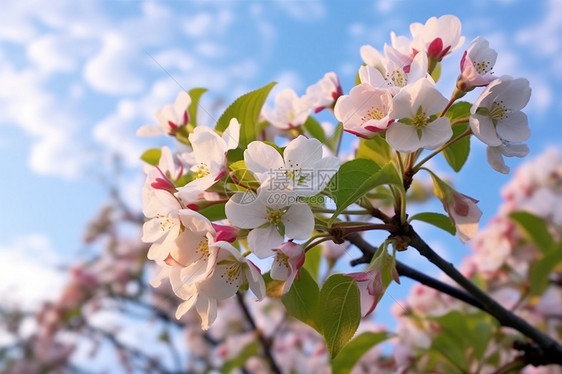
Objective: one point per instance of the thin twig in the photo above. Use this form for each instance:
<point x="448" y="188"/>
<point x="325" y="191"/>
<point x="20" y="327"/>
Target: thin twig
<point x="266" y="345"/>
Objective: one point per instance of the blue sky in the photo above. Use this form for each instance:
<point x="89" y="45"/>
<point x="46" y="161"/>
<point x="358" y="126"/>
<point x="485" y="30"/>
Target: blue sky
<point x="77" y="81"/>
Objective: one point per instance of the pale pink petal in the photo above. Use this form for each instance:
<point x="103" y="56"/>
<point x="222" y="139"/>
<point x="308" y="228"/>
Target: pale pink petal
<point x="298" y="221"/>
<point x="436" y="133"/>
<point x="483" y="128"/>
<point x="231" y="135"/>
<point x="302" y="153"/>
<point x="261" y="159"/>
<point x="207" y="309"/>
<point x="402" y="137"/>
<point x="262" y="241"/>
<point x="495" y="159"/>
<point x="246" y="211"/>
<point x="514" y="128"/>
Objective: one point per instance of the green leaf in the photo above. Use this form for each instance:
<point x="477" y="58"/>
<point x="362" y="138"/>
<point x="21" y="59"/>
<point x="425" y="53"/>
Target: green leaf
<point x="376" y="149"/>
<point x="355" y="349"/>
<point x="454" y="339"/>
<point x="246" y="110"/>
<point x="195" y="95"/>
<point x="313" y="127"/>
<point x="152" y="156"/>
<point x="312" y="261"/>
<point x="333" y="142"/>
<point x="340" y="311"/>
<point x="535" y="229"/>
<point x="457" y="153"/>
<point x="459" y="111"/>
<point x="273" y="287"/>
<point x="357" y="177"/>
<point x="302" y="300"/>
<point x="540" y="271"/>
<point x="239" y="360"/>
<point x="214" y="212"/>
<point x="462" y="334"/>
<point x="436" y="219"/>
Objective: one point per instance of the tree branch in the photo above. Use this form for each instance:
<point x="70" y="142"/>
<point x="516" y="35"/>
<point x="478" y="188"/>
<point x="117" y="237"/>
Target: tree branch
<point x="263" y="341"/>
<point x="406" y="271"/>
<point x="551" y="350"/>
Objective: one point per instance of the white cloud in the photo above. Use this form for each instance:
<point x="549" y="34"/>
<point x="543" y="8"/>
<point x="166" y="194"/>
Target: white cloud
<point x="25" y="102"/>
<point x="58" y="52"/>
<point x="206" y="24"/>
<point x="110" y="71"/>
<point x="28" y="272"/>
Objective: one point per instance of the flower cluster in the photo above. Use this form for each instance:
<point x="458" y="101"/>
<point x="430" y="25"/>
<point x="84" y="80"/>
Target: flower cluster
<point x="397" y="95"/>
<point x="265" y="207"/>
<point x="236" y="194"/>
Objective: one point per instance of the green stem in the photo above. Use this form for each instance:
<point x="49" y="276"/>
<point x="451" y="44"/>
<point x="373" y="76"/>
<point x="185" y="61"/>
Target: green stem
<point x="314" y="244"/>
<point x="440" y="149"/>
<point x="348" y="212"/>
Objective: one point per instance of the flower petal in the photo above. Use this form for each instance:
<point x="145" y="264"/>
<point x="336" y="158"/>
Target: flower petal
<point x="402" y="137"/>
<point x="262" y="241"/>
<point x="298" y="221"/>
<point x="436" y="133"/>
<point x="245" y="210"/>
<point x="515" y="128"/>
<point x="261" y="159"/>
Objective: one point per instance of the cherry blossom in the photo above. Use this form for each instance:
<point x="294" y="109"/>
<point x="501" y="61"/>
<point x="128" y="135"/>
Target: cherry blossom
<point x="374" y="280"/>
<point x="324" y="93"/>
<point x="272" y="215"/>
<point x="496" y="115"/>
<point x="232" y="271"/>
<point x="416" y="109"/>
<point x="303" y="168"/>
<point x="476" y="65"/>
<point x="392" y="71"/>
<point x="170" y="118"/>
<point x="365" y="111"/>
<point x="289" y="258"/>
<point x="208" y="158"/>
<point x="438" y="37"/>
<point x="289" y="111"/>
<point x="159" y="187"/>
<point x="462" y="209"/>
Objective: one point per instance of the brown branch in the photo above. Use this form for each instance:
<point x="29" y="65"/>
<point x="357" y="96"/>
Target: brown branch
<point x="404" y="270"/>
<point x="549" y="350"/>
<point x="266" y="345"/>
